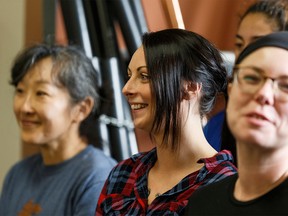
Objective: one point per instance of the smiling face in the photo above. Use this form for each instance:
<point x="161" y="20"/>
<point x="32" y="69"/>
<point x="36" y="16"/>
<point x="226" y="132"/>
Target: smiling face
<point x="43" y="109"/>
<point x="138" y="92"/>
<point x="260" y="118"/>
<point x="252" y="27"/>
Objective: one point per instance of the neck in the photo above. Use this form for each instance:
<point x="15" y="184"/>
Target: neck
<point x="57" y="152"/>
<point x="174" y="165"/>
<point x="259" y="171"/>
<point x="184" y="160"/>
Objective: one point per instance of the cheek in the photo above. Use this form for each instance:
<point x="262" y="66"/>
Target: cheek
<point x="236" y="97"/>
<point x="146" y="91"/>
<point x="16" y="107"/>
<point x="55" y="119"/>
<point x="62" y="110"/>
<point x="233" y="101"/>
<point x="236" y="52"/>
<point x="283" y="119"/>
<point x="236" y="103"/>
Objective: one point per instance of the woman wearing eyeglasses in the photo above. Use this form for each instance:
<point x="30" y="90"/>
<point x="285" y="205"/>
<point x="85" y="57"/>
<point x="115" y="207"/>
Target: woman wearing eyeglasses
<point x="257" y="115"/>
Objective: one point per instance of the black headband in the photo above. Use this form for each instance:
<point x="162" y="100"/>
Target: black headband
<point x="277" y="39"/>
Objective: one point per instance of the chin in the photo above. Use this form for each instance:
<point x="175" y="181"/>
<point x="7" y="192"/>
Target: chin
<point x="140" y="125"/>
<point x="141" y="128"/>
<point x="31" y="141"/>
<point x="258" y="139"/>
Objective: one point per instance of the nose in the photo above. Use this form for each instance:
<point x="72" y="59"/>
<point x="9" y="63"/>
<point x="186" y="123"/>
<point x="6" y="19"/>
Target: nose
<point x="265" y="95"/>
<point x="24" y="104"/>
<point x="129" y="88"/>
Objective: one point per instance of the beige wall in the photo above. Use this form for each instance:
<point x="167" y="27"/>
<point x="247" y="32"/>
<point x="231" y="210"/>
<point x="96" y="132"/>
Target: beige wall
<point x="11" y="41"/>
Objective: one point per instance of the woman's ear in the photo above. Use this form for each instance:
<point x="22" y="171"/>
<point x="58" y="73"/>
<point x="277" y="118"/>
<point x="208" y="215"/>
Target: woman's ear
<point x="83" y="109"/>
<point x="192" y="90"/>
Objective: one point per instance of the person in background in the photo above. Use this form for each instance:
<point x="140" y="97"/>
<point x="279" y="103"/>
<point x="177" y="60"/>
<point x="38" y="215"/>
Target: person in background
<point x="56" y="94"/>
<point x="214" y="122"/>
<point x="257" y="115"/>
<point x="173" y="80"/>
<point x="261" y="18"/>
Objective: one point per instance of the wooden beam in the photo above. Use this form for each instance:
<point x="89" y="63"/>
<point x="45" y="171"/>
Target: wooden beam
<point x="174" y="14"/>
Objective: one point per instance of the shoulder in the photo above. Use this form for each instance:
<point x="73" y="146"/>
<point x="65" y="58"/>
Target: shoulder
<point x="139" y="158"/>
<point x="217" y="167"/>
<point x="93" y="164"/>
<point x="27" y="163"/>
<point x="221" y="161"/>
<point x="129" y="164"/>
<point x="99" y="157"/>
<point x="138" y="163"/>
<point x="22" y="171"/>
<point x="33" y="159"/>
<point x="123" y="177"/>
<point x="215" y="188"/>
<point x="210" y="197"/>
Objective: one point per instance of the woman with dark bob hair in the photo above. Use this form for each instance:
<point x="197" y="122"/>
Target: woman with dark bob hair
<point x="173" y="81"/>
<point x="56" y="93"/>
<point x="261" y="18"/>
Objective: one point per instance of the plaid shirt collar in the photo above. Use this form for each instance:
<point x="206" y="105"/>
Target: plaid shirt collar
<point x="148" y="160"/>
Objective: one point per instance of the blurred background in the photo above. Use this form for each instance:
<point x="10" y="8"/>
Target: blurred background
<point x="109" y="31"/>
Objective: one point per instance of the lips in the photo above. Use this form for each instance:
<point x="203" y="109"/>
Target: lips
<point x="28" y="123"/>
<point x="260" y="116"/>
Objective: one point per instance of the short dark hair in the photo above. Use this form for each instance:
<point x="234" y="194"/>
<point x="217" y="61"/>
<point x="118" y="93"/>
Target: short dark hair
<point x="71" y="69"/>
<point x="276" y="12"/>
<point x="174" y="56"/>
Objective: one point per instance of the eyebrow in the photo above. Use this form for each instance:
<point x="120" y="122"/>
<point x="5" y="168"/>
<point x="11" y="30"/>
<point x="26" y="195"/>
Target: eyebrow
<point x="138" y="69"/>
<point x="257" y="37"/>
<point x="238" y="66"/>
<point x="260" y="70"/>
<point x="239" y="36"/>
<point x="253" y="38"/>
<point x="42" y="81"/>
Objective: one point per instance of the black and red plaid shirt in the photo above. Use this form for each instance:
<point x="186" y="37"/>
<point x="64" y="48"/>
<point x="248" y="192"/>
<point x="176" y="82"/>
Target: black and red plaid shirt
<point x="125" y="191"/>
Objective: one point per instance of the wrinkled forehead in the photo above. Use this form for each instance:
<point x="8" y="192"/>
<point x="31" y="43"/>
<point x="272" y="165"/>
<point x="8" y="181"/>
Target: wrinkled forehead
<point x="270" y="59"/>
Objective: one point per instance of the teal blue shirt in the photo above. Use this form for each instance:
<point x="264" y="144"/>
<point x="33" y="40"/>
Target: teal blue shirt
<point x="70" y="188"/>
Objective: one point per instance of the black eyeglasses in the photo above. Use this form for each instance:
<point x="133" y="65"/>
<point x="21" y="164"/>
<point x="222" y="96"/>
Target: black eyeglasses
<point x="251" y="79"/>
